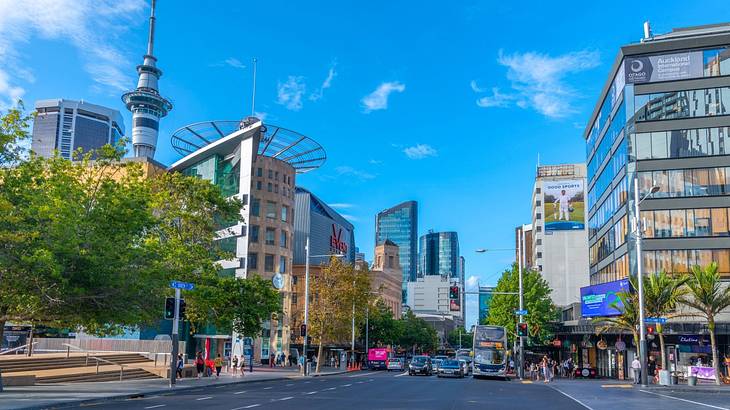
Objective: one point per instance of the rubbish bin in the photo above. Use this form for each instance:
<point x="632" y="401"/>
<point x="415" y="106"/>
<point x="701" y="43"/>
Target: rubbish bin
<point x="692" y="381"/>
<point x="664" y="379"/>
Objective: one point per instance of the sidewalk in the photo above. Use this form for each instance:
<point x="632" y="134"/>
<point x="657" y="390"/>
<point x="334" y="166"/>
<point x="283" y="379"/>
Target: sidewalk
<point x="75" y="394"/>
<point x="705" y="387"/>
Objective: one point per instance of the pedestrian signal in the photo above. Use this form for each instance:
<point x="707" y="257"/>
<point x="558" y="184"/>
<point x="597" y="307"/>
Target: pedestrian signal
<point x="522" y="329"/>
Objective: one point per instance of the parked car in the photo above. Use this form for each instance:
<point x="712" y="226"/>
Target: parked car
<point x="451" y="368"/>
<point x="466" y="367"/>
<point x="396" y="363"/>
<point x="436" y="363"/>
<point x="420" y="365"/>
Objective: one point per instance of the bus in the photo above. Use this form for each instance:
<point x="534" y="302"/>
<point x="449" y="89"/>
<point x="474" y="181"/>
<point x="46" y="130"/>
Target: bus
<point x="490" y="351"/>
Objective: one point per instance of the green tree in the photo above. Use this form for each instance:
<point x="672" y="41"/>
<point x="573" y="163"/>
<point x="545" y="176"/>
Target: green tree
<point x="709" y="297"/>
<point x="628" y="319"/>
<point x="541" y="310"/>
<point x="662" y="293"/>
<point x="460" y="338"/>
<point x="338" y="291"/>
<point x="384" y="329"/>
<point x="13" y="133"/>
<point x="417" y="334"/>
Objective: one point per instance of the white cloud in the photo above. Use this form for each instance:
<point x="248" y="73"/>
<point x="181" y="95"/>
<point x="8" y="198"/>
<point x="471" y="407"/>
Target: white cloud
<point x="78" y="22"/>
<point x="327" y="83"/>
<point x="472" y="281"/>
<point x="538" y="81"/>
<point x="375" y="162"/>
<point x="475" y="87"/>
<point x="234" y="62"/>
<point x="378" y="99"/>
<point x="348" y="171"/>
<point x="420" y="151"/>
<point x="289" y="93"/>
<point x="341" y="206"/>
<point x="350" y="218"/>
<point x="261" y="115"/>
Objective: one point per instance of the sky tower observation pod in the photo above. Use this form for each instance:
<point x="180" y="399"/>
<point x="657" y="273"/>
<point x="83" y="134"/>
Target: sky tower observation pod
<point x="301" y="152"/>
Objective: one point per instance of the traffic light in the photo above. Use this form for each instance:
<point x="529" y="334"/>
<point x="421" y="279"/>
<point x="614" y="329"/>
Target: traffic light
<point x="522" y="329"/>
<point x="454" y="292"/>
<point x="304" y="330"/>
<point x="170" y="308"/>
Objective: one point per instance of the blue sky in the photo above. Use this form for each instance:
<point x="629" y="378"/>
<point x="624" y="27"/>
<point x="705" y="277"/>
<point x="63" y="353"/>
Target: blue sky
<point x="445" y="103"/>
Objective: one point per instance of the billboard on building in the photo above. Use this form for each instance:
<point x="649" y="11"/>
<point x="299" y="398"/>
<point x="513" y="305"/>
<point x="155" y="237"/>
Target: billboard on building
<point x="564" y="205"/>
<point x="664" y="67"/>
<point x="485" y="299"/>
<point x="601" y="300"/>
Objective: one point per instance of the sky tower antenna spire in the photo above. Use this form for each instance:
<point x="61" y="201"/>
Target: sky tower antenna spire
<point x="253" y="93"/>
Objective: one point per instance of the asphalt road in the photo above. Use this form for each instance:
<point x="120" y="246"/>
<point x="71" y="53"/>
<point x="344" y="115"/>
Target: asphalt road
<point x="383" y="390"/>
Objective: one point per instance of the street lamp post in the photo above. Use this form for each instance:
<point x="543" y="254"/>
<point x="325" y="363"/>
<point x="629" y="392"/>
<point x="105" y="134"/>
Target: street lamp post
<point x="640" y="276"/>
<point x="520" y="257"/>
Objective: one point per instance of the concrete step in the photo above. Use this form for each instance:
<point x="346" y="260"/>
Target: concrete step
<point x="41" y="363"/>
<point x="103" y="376"/>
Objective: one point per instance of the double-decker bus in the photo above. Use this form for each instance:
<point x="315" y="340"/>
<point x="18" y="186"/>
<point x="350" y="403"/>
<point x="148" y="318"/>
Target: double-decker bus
<point x="490" y="351"/>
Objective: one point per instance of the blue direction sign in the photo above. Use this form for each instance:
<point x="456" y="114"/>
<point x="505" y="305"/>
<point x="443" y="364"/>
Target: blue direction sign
<point x="521" y="312"/>
<point x="660" y="320"/>
<point x="181" y="285"/>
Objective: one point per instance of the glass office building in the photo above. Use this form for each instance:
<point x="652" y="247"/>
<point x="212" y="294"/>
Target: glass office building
<point x="663" y="117"/>
<point x="439" y="255"/>
<point x="400" y="225"/>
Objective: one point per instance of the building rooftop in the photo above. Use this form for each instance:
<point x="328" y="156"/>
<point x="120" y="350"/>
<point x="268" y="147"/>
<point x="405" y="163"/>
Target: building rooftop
<point x="299" y="151"/>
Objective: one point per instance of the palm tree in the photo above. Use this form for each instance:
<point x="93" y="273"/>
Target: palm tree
<point x="706" y="295"/>
<point x="662" y="293"/>
<point x="627" y="321"/>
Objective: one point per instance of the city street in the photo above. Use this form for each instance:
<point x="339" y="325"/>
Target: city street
<point x="383" y="390"/>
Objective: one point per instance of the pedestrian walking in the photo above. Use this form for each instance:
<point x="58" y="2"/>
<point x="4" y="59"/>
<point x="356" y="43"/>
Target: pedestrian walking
<point x="179" y="366"/>
<point x="651" y="368"/>
<point x="636" y="369"/>
<point x="234" y="365"/>
<point x="243" y="364"/>
<point x="199" y="364"/>
<point x="571" y="373"/>
<point x="545" y="365"/>
<point x="218" y="363"/>
<point x="271" y="360"/>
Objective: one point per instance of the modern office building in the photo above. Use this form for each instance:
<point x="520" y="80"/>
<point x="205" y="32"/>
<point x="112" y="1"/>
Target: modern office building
<point x="663" y="117"/>
<point x="258" y="164"/>
<point x="400" y="225"/>
<point x="145" y="102"/>
<point x="485" y="299"/>
<point x="387" y="276"/>
<point x="439" y="255"/>
<point x="528" y="254"/>
<point x="329" y="232"/>
<point x="66" y="125"/>
<point x="430" y="295"/>
<point x="559" y="248"/>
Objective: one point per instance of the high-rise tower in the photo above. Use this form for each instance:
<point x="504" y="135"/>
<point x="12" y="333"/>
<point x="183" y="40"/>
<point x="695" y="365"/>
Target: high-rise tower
<point x="145" y="102"/>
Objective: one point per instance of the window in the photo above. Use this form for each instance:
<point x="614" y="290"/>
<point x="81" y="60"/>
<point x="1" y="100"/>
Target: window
<point x="270" y="187"/>
<point x="276" y="176"/>
<point x="719" y="222"/>
<point x="662" y="224"/>
<point x="537" y="190"/>
<point x="276" y="188"/>
<point x="253" y="261"/>
<point x="282" y="238"/>
<point x="255" y="206"/>
<point x="538" y="242"/>
<point x="539" y="255"/>
<point x="270" y="210"/>
<point x="253" y="233"/>
<point x="684" y="143"/>
<point x="282" y="264"/>
<point x="270" y="236"/>
<point x="538" y="216"/>
<point x="538" y="203"/>
<point x="294" y="299"/>
<point x="259" y="172"/>
<point x="271" y="174"/>
<point x="538" y="228"/>
<point x="258" y="185"/>
<point x="268" y="262"/>
<point x="390" y="261"/>
<point x="294" y="280"/>
<point x="678" y="222"/>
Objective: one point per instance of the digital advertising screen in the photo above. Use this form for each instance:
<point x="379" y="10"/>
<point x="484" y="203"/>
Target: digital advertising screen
<point x="596" y="300"/>
<point x="564" y="205"/>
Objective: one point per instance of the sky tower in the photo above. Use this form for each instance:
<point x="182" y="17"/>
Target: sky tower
<point x="145" y="102"/>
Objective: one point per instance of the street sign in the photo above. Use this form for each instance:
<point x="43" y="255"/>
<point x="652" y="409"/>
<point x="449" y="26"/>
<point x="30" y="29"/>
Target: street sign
<point x="181" y="285"/>
<point x="520" y="312"/>
<point x="661" y="320"/>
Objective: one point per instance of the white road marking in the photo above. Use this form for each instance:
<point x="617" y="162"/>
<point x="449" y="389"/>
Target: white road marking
<point x="220" y="387"/>
<point x="204" y="398"/>
<point x="329" y="389"/>
<point x="360" y="382"/>
<point x="268" y="388"/>
<point x="346" y="385"/>
<point x="156" y="406"/>
<point x="286" y="398"/>
<point x="402" y="374"/>
<point x="311" y="392"/>
<point x="685" y="400"/>
<point x="240" y="392"/>
<point x="363" y="374"/>
<point x="250" y="406"/>
<point x="307" y="382"/>
<point x="290" y="384"/>
<point x="571" y="397"/>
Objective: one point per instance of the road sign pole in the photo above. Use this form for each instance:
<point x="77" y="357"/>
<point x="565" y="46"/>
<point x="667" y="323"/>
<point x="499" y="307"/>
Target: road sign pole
<point x="175" y="339"/>
<point x="521" y="250"/>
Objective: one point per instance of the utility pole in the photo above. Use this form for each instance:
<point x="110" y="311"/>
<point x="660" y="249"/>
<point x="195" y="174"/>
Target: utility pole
<point x="306" y="305"/>
<point x="175" y="339"/>
<point x="520" y="255"/>
<point x="640" y="277"/>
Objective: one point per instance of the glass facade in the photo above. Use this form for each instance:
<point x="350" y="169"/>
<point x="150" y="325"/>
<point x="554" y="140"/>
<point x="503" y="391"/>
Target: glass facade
<point x="218" y="171"/>
<point x="631" y="126"/>
<point x="439" y="255"/>
<point x="399" y="224"/>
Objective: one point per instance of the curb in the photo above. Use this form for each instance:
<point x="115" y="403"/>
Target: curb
<point x="98" y="400"/>
<point x="694" y="389"/>
<point x="331" y="373"/>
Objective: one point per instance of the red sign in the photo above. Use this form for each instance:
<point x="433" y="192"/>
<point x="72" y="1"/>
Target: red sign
<point x="336" y="241"/>
<point x="378" y="353"/>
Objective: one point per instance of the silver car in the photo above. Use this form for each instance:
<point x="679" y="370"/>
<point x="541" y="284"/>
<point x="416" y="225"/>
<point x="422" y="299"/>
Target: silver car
<point x="465" y="367"/>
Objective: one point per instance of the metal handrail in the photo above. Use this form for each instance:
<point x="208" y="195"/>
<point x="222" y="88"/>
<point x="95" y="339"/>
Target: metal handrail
<point x="17" y="348"/>
<point x="98" y="359"/>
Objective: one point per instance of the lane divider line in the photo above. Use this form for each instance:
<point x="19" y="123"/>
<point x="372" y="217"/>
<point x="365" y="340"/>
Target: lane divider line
<point x="286" y="398"/>
<point x="268" y="388"/>
<point x="401" y="375"/>
<point x="311" y="392"/>
<point x="570" y="397"/>
<point x="363" y="374"/>
<point x="240" y="392"/>
<point x="685" y="400"/>
<point x="156" y="406"/>
<point x="204" y="398"/>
